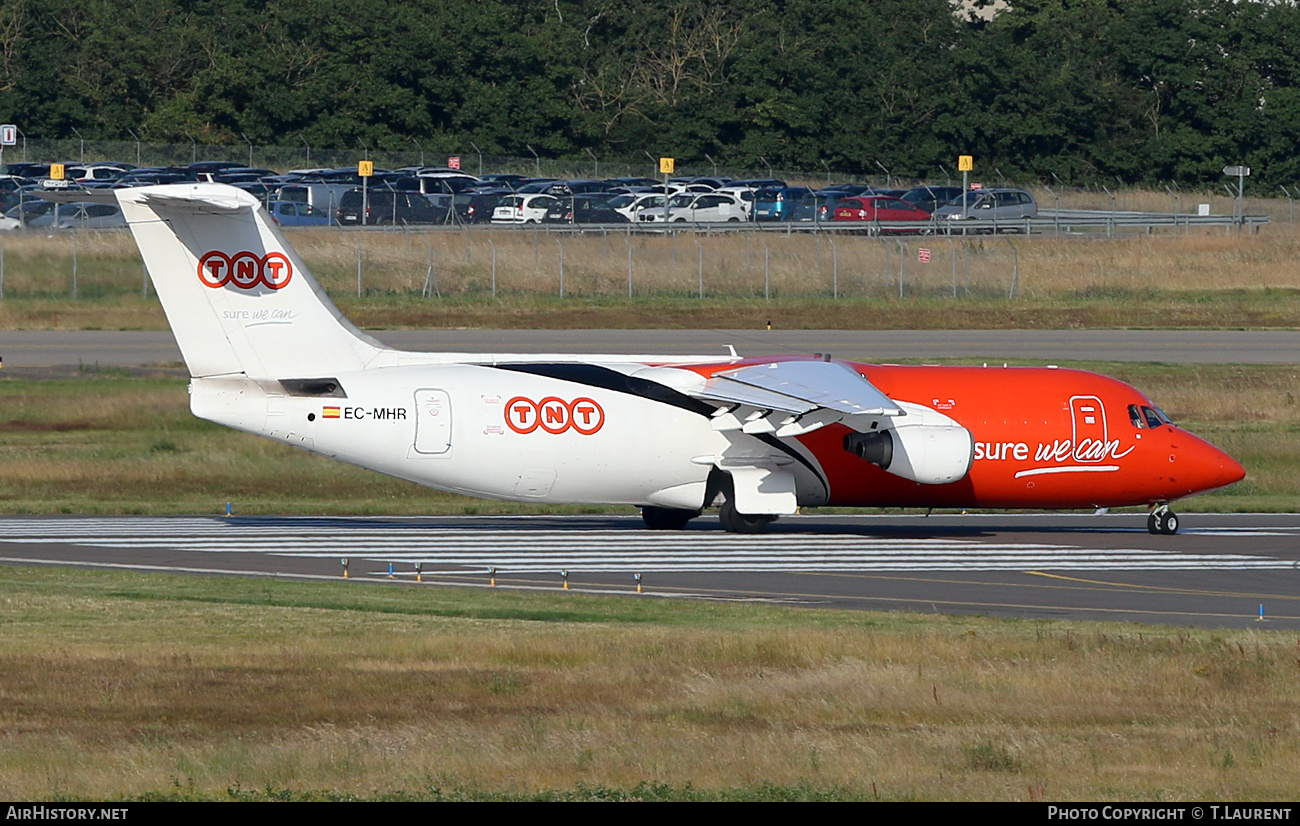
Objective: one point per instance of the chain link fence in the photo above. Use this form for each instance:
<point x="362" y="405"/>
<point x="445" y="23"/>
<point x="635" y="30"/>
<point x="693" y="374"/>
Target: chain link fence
<point x="478" y="262"/>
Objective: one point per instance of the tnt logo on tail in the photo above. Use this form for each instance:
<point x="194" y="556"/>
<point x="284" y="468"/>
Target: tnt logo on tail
<point x="245" y="270"/>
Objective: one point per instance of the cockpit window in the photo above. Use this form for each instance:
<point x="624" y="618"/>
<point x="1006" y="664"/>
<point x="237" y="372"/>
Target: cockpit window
<point x="1135" y="416"/>
<point x="1144" y="417"/>
<point x="1154" y="417"/>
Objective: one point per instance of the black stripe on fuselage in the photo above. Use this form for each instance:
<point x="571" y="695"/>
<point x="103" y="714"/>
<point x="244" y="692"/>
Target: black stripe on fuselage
<point x="593" y="375"/>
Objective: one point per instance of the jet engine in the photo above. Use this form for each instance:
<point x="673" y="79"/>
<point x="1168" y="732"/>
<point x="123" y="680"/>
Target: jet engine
<point x="923" y="445"/>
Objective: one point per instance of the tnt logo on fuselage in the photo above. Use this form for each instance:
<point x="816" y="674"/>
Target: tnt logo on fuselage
<point x="245" y="270"/>
<point x="554" y="415"/>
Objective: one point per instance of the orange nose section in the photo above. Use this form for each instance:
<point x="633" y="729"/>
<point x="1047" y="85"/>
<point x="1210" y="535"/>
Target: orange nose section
<point x="1200" y="466"/>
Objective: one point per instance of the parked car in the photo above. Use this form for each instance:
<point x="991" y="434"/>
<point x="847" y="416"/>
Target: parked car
<point x="930" y="198"/>
<point x="701" y="207"/>
<point x="632" y="204"/>
<point x="81" y="216"/>
<point x="575" y="187"/>
<point x="377" y="207"/>
<point x="534" y="186"/>
<point x="993" y="205"/>
<point x="95" y="172"/>
<point x="828" y="200"/>
<point x="479" y="205"/>
<point x="583" y="209"/>
<point x="791" y="203"/>
<point x="757" y="183"/>
<point x="851" y="188"/>
<point x="297" y="214"/>
<point x="320" y="195"/>
<point x="523" y="209"/>
<point x="150" y="175"/>
<point x="614" y="183"/>
<point x="505" y="180"/>
<point x="880" y="208"/>
<point x="29" y="210"/>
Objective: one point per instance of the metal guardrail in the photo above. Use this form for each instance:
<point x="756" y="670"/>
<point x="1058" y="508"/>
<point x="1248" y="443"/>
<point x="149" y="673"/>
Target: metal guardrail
<point x="1049" y="221"/>
<point x="1065" y="221"/>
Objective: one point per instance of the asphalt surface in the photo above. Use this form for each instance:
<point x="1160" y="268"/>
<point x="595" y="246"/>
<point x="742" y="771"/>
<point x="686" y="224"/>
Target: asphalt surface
<point x="1220" y="571"/>
<point x="88" y="348"/>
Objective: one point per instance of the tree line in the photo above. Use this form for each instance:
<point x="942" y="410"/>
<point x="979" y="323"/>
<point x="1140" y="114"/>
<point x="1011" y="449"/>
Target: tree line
<point x="1087" y="91"/>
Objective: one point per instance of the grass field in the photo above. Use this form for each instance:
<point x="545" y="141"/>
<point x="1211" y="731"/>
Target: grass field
<point x="132" y="686"/>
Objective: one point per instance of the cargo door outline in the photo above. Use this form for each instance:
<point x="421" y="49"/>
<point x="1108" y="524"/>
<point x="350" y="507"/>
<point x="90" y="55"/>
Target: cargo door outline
<point x="1089" y="420"/>
<point x="432" y="424"/>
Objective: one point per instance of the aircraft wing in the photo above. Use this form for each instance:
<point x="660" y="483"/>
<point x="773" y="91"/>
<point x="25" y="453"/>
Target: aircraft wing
<point x="790" y="398"/>
<point x="800" y="387"/>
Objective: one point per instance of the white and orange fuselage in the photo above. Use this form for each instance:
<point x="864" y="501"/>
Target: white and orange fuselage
<point x="569" y="432"/>
<point x="270" y="354"/>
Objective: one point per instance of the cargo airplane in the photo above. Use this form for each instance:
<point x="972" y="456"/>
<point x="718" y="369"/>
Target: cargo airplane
<point x="270" y="354"/>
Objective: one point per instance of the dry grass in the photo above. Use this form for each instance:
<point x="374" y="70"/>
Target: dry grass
<point x="1205" y="278"/>
<point x="118" y="685"/>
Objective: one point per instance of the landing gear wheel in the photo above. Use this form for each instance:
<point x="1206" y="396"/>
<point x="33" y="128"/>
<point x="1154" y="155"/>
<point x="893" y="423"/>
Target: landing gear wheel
<point x="734" y="521"/>
<point x="666" y="519"/>
<point x="1162" y="521"/>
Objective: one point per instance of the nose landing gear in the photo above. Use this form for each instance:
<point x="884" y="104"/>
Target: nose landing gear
<point x="1161" y="520"/>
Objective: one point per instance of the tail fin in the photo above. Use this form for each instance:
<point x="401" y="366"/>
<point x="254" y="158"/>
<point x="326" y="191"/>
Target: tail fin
<point x="237" y="296"/>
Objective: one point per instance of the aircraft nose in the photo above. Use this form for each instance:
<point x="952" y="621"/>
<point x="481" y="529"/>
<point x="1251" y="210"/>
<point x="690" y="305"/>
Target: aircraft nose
<point x="1203" y="467"/>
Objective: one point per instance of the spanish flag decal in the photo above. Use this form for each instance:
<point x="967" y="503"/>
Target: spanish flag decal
<point x="330" y="413"/>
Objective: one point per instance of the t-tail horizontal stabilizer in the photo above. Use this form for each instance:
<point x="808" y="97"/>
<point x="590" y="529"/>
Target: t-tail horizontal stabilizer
<point x="237" y="296"/>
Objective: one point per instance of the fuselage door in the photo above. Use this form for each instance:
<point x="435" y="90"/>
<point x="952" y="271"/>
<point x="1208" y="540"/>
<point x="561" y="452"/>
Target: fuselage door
<point x="1090" y="430"/>
<point x="432" y="422"/>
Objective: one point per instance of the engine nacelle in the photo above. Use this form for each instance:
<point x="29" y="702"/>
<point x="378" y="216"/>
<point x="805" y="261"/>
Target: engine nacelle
<point x="924" y="446"/>
<point x="932" y="454"/>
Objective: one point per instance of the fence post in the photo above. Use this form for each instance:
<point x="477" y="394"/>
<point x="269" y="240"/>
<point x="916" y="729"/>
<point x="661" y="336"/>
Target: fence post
<point x="561" y="245"/>
<point x="1015" y="270"/>
<point x="952" y="252"/>
<point x="767" y="271"/>
<point x="74" y="266"/>
<point x="889" y="270"/>
<point x="701" y="249"/>
<point x="628" y="240"/>
<point x="358" y="269"/>
<point x="494" y="267"/>
<point x="835" y="268"/>
<point x="430" y="281"/>
<point x="965" y="265"/>
<point x="902" y="259"/>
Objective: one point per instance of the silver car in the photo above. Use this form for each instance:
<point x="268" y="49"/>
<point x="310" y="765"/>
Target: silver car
<point x="81" y="216"/>
<point x="992" y="205"/>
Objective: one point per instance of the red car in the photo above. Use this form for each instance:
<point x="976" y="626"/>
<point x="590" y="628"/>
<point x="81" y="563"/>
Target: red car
<point x="880" y="208"/>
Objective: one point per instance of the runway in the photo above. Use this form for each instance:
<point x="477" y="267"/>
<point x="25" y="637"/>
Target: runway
<point x="50" y="348"/>
<point x="1219" y="572"/>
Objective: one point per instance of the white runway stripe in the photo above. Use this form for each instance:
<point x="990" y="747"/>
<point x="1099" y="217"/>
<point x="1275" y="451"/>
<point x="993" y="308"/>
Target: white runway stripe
<point x="457" y="549"/>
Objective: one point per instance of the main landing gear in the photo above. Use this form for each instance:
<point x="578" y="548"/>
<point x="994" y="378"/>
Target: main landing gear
<point x="733" y="521"/>
<point x="1161" y="520"/>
